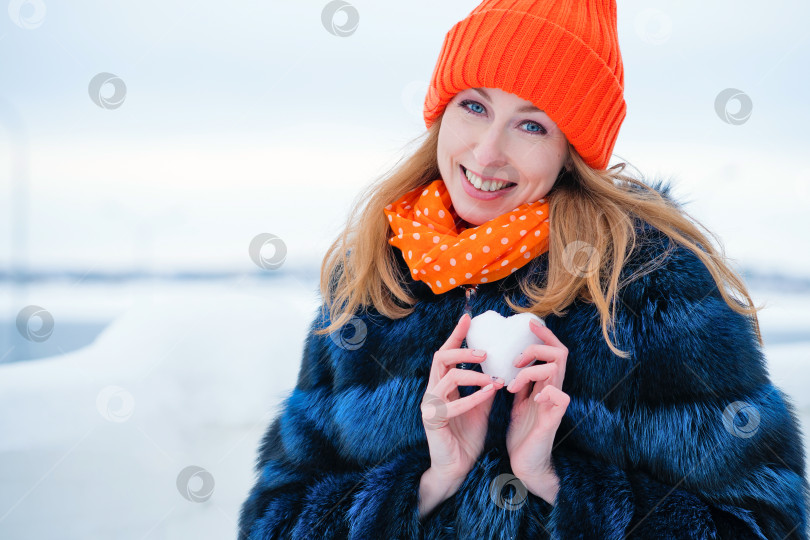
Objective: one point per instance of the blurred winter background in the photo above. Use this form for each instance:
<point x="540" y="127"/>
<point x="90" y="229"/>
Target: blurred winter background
<point x="145" y="145"/>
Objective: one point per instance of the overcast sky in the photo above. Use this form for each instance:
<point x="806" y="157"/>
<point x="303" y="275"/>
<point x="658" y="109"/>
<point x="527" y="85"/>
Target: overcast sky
<point x="247" y="117"/>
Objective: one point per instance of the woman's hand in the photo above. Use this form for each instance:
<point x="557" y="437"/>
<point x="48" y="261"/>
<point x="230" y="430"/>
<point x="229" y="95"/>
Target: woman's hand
<point x="537" y="410"/>
<point x="456" y="428"/>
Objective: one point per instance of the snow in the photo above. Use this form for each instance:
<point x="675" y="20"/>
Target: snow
<point x="191" y="375"/>
<point x="187" y="376"/>
<point x="503" y="338"/>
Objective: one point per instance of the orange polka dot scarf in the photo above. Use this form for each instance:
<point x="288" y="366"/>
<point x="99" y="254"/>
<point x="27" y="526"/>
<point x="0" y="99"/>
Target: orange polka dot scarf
<point x="423" y="223"/>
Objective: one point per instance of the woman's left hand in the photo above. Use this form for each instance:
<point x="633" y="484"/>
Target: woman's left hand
<point x="537" y="410"/>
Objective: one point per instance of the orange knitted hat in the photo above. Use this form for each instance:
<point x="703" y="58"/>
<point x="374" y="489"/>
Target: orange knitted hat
<point x="563" y="56"/>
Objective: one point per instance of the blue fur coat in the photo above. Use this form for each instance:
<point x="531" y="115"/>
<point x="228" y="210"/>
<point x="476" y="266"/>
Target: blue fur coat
<point x="687" y="438"/>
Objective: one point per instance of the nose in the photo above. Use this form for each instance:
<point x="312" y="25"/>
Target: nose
<point x="489" y="149"/>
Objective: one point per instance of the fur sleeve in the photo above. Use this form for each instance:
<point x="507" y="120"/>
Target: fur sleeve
<point x="493" y="503"/>
<point x="711" y="448"/>
<point x="305" y="489"/>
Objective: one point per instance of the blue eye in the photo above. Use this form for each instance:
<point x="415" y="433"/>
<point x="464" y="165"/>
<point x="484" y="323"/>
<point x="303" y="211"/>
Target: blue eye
<point x="540" y="128"/>
<point x="474" y="103"/>
<point x="464" y="105"/>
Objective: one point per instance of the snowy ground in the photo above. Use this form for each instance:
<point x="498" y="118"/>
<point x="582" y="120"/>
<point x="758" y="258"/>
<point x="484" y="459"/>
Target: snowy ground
<point x="95" y="443"/>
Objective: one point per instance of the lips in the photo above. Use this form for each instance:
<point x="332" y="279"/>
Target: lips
<point x="484" y="178"/>
<point x="479" y="194"/>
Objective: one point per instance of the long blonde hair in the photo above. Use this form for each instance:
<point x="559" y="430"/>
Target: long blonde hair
<point x="590" y="213"/>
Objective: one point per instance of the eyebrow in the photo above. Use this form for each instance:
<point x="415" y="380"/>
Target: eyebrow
<point x="525" y="108"/>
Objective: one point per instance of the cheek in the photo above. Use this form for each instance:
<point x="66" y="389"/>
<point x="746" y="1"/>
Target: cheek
<point x="442" y="157"/>
<point x="448" y="149"/>
<point x="441" y="145"/>
<point x="542" y="180"/>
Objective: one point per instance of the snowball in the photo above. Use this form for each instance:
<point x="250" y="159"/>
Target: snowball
<point x="503" y="339"/>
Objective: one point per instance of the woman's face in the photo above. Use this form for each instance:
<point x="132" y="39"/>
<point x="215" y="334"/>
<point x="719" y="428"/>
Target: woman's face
<point x="495" y="134"/>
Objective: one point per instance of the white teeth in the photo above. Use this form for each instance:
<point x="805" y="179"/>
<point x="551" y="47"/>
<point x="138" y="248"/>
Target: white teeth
<point x="486" y="185"/>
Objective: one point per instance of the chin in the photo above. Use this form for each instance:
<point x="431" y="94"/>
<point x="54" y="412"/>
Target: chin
<point x="469" y="224"/>
<point x="463" y="222"/>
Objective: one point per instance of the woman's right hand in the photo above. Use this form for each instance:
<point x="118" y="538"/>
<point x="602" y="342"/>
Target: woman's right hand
<point x="456" y="428"/>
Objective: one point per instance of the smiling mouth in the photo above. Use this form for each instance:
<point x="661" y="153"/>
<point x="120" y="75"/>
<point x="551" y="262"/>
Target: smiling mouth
<point x="479" y="184"/>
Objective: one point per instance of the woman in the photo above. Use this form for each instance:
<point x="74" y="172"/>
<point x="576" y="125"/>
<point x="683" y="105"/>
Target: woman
<point x="648" y="412"/>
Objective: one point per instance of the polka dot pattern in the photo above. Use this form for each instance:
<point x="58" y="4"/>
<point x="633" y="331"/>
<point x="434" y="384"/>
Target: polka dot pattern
<point x="451" y="256"/>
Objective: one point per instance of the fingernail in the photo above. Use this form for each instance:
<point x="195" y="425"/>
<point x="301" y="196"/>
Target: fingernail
<point x="478" y="352"/>
<point x="488" y="387"/>
<point x="518" y="360"/>
<point x="496" y="379"/>
<point x="509" y="386"/>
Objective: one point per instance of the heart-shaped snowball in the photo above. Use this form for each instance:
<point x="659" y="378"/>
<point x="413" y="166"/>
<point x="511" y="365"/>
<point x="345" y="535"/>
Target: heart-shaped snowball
<point x="503" y="339"/>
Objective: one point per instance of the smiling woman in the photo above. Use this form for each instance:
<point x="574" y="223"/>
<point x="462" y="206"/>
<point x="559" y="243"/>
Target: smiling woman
<point x="650" y="412"/>
<point x="497" y="155"/>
